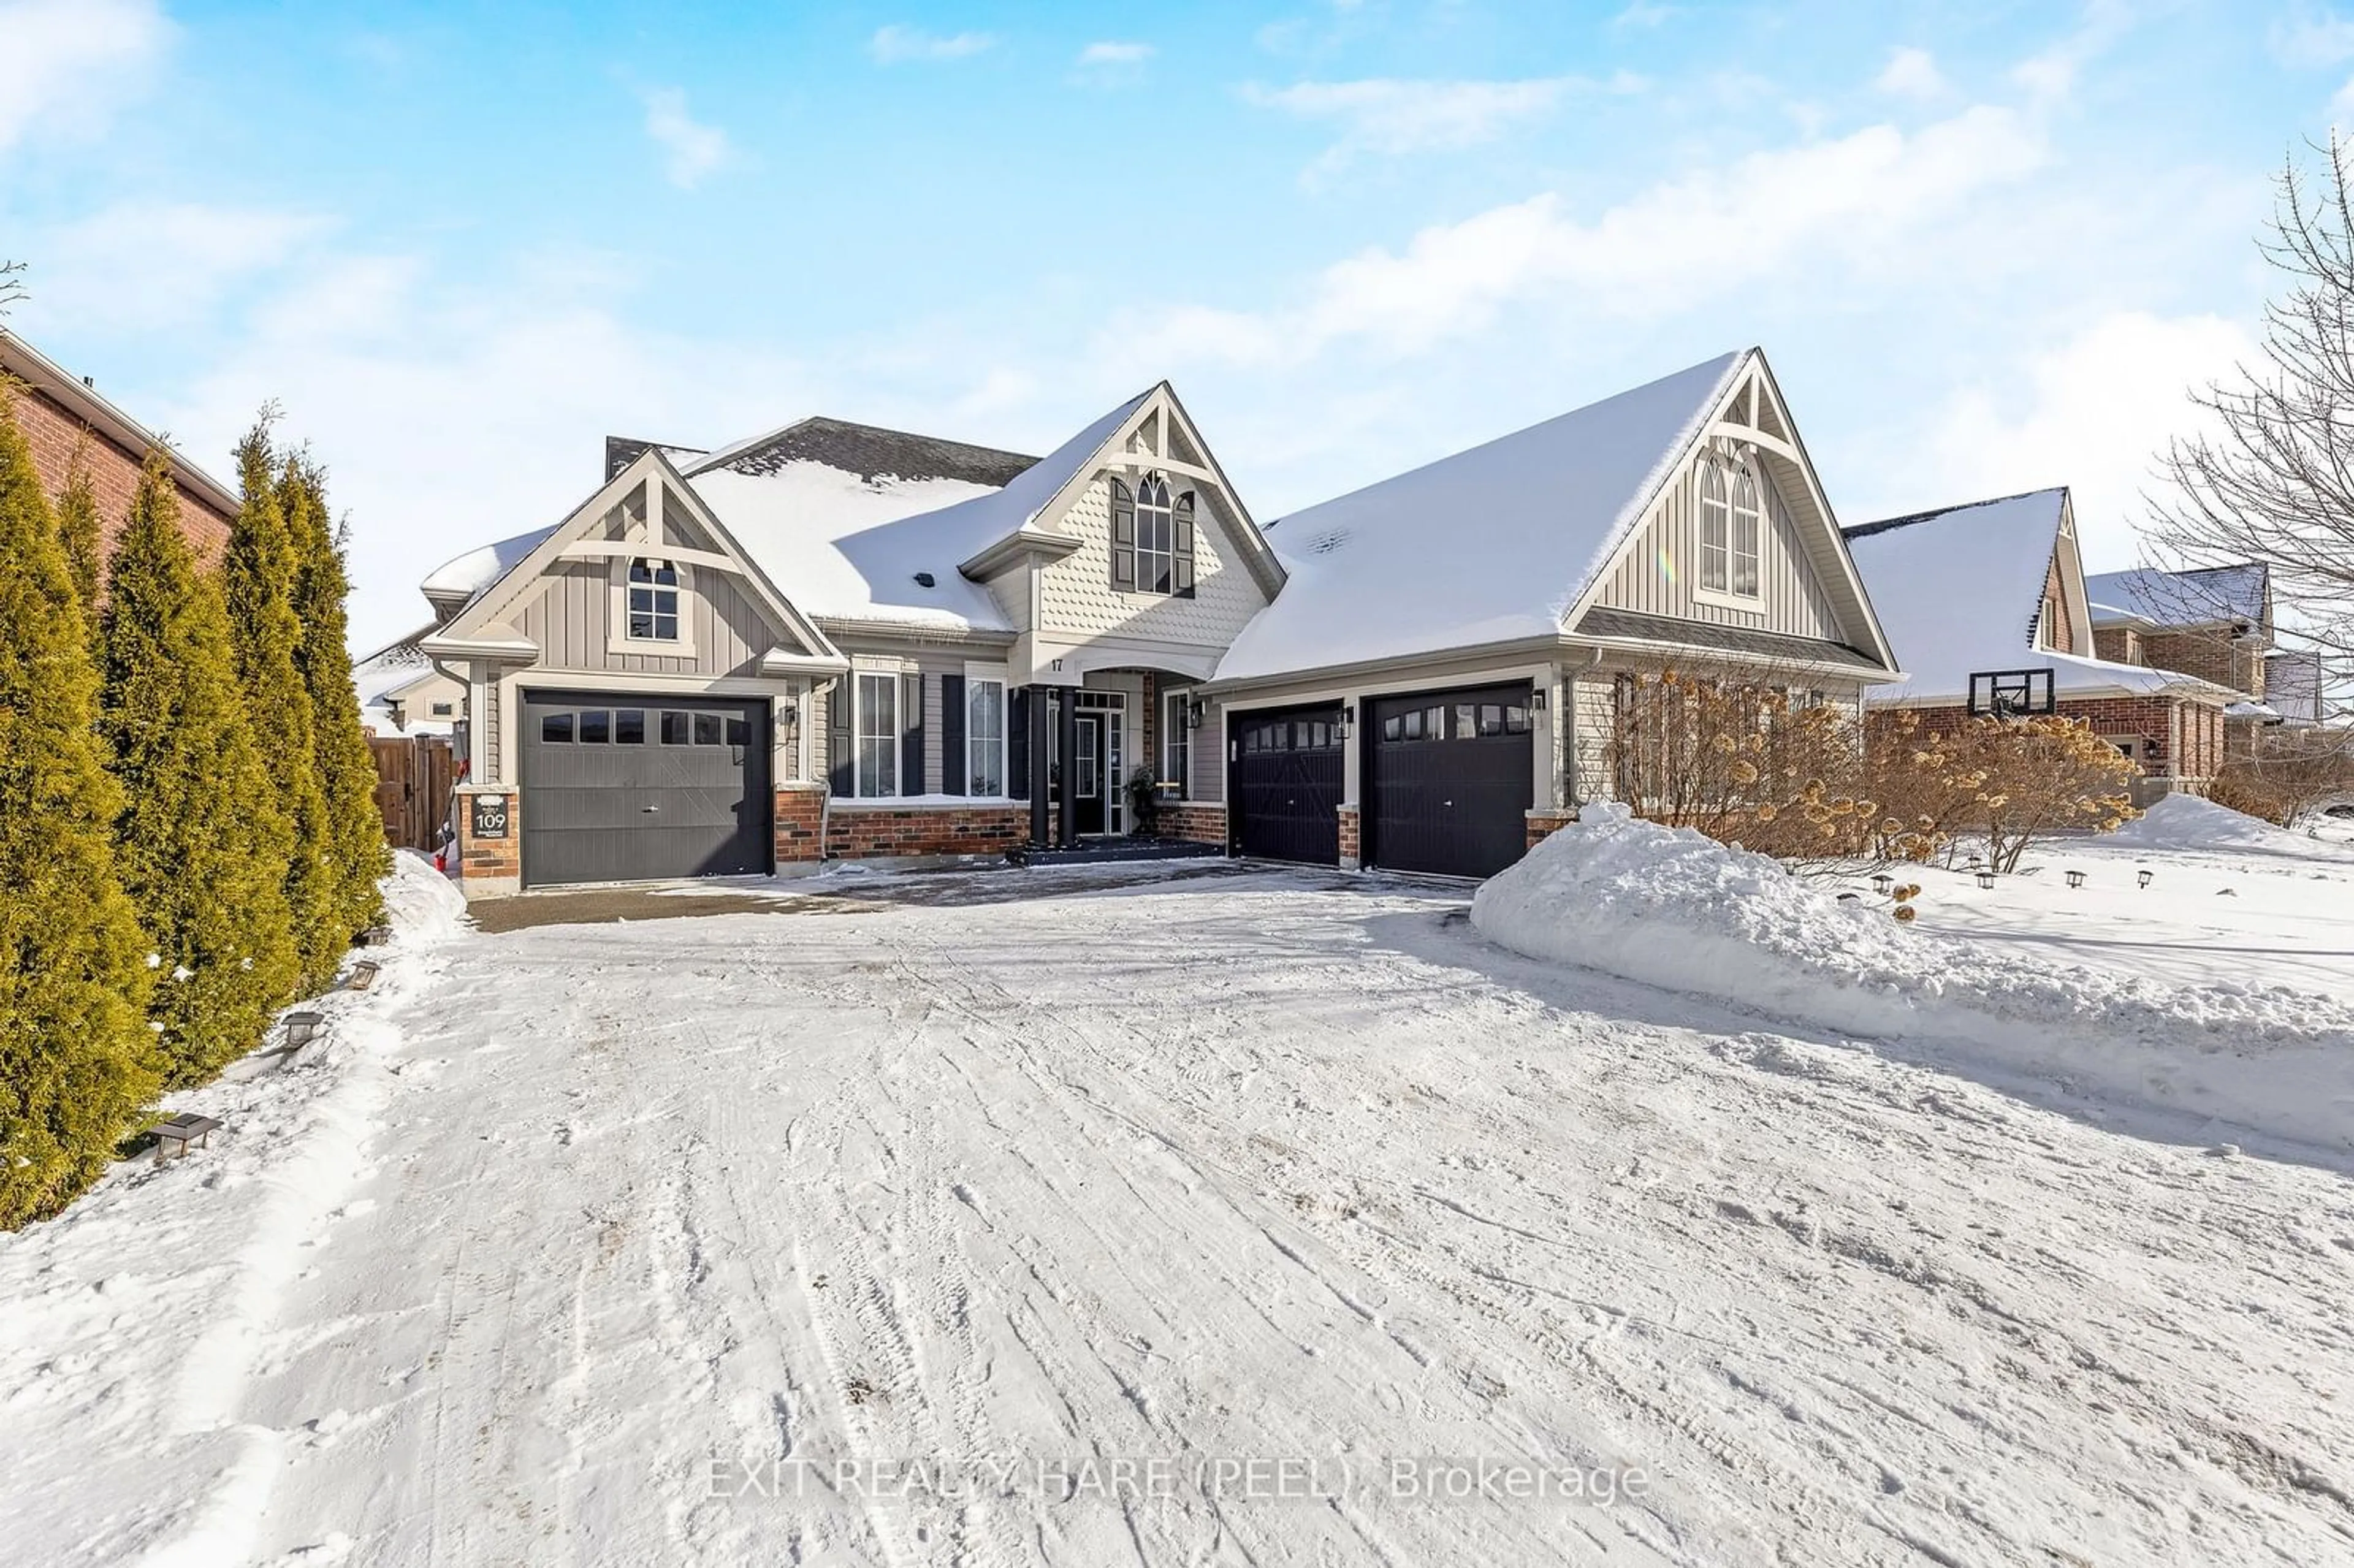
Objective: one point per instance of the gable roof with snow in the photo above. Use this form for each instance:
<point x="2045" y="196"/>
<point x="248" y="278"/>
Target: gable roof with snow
<point x="2209" y="596"/>
<point x="1504" y="541"/>
<point x="848" y="515"/>
<point x="1491" y="545"/>
<point x="1960" y="589"/>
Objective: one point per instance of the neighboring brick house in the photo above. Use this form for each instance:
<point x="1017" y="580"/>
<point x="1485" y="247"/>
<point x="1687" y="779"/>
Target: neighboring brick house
<point x="62" y="416"/>
<point x="2215" y="624"/>
<point x="838" y="642"/>
<point x="1987" y="606"/>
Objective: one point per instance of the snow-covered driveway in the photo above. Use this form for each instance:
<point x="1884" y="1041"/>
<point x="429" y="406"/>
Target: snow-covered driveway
<point x="1256" y="1168"/>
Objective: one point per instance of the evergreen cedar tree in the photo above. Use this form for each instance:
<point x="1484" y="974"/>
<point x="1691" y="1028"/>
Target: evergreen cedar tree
<point x="79" y="531"/>
<point x="77" y="1061"/>
<point x="347" y="773"/>
<point x="259" y="574"/>
<point x="196" y="850"/>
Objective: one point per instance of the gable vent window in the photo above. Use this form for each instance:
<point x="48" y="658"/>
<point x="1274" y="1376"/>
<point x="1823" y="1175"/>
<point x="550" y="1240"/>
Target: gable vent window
<point x="653" y="599"/>
<point x="1152" y="539"/>
<point x="1731" y="519"/>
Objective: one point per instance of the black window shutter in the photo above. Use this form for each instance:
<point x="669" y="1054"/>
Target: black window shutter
<point x="1017" y="743"/>
<point x="841" y="753"/>
<point x="1123" y="538"/>
<point x="952" y="758"/>
<point x="911" y="736"/>
<point x="1183" y="585"/>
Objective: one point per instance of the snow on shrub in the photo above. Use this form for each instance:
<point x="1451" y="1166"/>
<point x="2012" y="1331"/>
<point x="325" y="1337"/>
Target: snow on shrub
<point x="1671" y="908"/>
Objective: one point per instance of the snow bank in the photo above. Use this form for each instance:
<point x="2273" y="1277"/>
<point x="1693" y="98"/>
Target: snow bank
<point x="1673" y="909"/>
<point x="2188" y="823"/>
<point x="419" y="903"/>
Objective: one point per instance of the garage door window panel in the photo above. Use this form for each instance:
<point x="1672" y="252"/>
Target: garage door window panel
<point x="596" y="726"/>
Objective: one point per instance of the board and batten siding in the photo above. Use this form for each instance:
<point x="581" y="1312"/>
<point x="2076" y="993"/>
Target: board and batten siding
<point x="570" y="617"/>
<point x="1659" y="575"/>
<point x="1077" y="600"/>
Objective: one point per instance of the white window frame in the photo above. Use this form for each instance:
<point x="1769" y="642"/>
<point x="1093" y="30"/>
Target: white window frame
<point x="619" y="640"/>
<point x="1156" y="509"/>
<point x="976" y="677"/>
<point x="1731" y="534"/>
<point x="1177" y="741"/>
<point x="861" y="708"/>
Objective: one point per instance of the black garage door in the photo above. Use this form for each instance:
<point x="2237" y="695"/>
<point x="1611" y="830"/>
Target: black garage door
<point x="617" y="788"/>
<point x="1283" y="783"/>
<point x="1449" y="780"/>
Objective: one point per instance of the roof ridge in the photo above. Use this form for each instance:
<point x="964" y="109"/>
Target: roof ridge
<point x="1881" y="526"/>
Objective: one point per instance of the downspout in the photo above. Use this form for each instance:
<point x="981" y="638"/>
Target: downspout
<point x="819" y="691"/>
<point x="450" y="807"/>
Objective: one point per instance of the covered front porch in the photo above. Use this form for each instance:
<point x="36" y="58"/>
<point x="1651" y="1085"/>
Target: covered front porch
<point x="1114" y="763"/>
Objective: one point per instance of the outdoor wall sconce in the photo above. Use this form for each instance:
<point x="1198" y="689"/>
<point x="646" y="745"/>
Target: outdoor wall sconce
<point x="2075" y="879"/>
<point x="1193" y="714"/>
<point x="1348" y="716"/>
<point x="1537" y="701"/>
<point x="1985" y="879"/>
<point x="2145" y="877"/>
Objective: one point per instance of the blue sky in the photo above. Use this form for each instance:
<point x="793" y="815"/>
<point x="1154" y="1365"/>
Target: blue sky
<point x="1987" y="246"/>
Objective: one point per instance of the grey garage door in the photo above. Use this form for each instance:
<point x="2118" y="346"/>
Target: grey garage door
<point x="1450" y="777"/>
<point x="617" y="789"/>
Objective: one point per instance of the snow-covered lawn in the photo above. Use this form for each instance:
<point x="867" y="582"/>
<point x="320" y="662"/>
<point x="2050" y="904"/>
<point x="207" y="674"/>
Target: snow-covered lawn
<point x="573" y="1237"/>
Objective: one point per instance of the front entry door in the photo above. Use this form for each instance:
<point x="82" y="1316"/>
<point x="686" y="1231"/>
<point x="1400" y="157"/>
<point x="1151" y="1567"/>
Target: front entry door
<point x="1088" y="770"/>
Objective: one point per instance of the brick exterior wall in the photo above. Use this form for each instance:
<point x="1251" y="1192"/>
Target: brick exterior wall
<point x="866" y="832"/>
<point x="1351" y="845"/>
<point x="488" y="866"/>
<point x="1542" y="825"/>
<point x="55" y="434"/>
<point x="2210" y="655"/>
<point x="800" y="819"/>
<point x="2117" y="644"/>
<point x="2182" y="741"/>
<point x="1194" y="824"/>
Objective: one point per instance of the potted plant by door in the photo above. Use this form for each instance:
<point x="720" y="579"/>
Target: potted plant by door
<point x="1144" y="799"/>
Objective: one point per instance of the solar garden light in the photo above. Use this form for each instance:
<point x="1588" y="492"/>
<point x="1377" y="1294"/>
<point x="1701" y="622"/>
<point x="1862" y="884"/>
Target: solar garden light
<point x="1883" y="882"/>
<point x="302" y="1028"/>
<point x="2075" y="879"/>
<point x="1985" y="879"/>
<point x="2144" y="874"/>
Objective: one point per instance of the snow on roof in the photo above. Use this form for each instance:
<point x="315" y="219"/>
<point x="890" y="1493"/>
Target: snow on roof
<point x="477" y="569"/>
<point x="1958" y="590"/>
<point x="848" y="545"/>
<point x="2182" y="599"/>
<point x="1488" y="545"/>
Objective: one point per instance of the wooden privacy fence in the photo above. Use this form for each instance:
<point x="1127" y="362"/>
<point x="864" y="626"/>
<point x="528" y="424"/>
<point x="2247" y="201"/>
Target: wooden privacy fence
<point x="413" y="776"/>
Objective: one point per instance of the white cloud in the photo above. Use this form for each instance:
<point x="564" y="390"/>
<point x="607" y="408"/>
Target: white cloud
<point x="1663" y="251"/>
<point x="2051" y="75"/>
<point x="2093" y="414"/>
<point x="895" y="44"/>
<point x="2312" y="36"/>
<point x="139" y="266"/>
<point x="65" y="65"/>
<point x="1390" y="116"/>
<point x="694" y="149"/>
<point x="1643" y="14"/>
<point x="1911" y="73"/>
<point x="1110" y="54"/>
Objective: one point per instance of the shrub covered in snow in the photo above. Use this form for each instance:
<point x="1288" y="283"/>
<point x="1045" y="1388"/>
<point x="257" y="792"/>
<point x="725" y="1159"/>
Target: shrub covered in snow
<point x="1672" y="909"/>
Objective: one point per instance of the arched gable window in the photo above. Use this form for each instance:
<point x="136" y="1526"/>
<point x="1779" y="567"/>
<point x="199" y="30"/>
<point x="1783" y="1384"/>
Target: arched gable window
<point x="653" y="599"/>
<point x="1152" y="538"/>
<point x="1746" y="525"/>
<point x="1731" y="520"/>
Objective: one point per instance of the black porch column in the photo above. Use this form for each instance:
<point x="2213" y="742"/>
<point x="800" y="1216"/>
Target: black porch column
<point x="1066" y="725"/>
<point x="1037" y="723"/>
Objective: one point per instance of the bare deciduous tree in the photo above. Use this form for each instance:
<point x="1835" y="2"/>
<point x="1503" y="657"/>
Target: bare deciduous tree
<point x="12" y="284"/>
<point x="2273" y="481"/>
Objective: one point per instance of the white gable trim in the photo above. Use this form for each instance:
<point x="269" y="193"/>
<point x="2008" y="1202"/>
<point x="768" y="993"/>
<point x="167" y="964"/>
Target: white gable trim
<point x="1749" y="389"/>
<point x="569" y="538"/>
<point x="1114" y="458"/>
